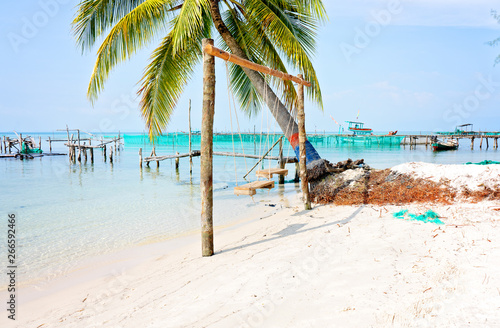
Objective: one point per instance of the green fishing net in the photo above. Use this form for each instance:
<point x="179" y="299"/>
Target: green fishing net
<point x="429" y="216"/>
<point x="485" y="162"/>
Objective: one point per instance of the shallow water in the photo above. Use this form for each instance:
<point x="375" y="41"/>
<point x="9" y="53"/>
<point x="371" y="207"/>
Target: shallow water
<point x="70" y="212"/>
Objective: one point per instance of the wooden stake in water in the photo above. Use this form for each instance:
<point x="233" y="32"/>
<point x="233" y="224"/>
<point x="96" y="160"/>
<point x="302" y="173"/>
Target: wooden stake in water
<point x="302" y="145"/>
<point x="281" y="162"/>
<point x="91" y="152"/>
<point x="111" y="154"/>
<point x="190" y="156"/>
<point x="140" y="158"/>
<point x="206" y="169"/>
<point x="177" y="161"/>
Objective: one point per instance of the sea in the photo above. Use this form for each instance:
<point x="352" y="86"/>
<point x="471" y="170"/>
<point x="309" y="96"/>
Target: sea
<point x="67" y="213"/>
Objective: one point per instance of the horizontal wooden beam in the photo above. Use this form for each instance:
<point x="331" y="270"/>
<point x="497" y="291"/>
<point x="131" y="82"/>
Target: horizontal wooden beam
<point x="211" y="50"/>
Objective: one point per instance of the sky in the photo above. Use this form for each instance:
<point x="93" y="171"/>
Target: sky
<point x="406" y="65"/>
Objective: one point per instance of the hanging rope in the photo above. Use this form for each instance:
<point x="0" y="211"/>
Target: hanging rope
<point x="231" y="120"/>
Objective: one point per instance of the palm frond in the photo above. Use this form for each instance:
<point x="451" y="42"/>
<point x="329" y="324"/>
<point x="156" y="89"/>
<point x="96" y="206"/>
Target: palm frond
<point x="169" y="71"/>
<point x="189" y="21"/>
<point x="94" y="17"/>
<point x="292" y="32"/>
<point x="129" y="34"/>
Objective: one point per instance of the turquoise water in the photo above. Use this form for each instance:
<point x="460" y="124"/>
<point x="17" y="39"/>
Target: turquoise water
<point x="71" y="212"/>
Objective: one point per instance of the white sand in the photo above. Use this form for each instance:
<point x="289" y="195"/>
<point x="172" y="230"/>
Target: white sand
<point x="474" y="177"/>
<point x="329" y="267"/>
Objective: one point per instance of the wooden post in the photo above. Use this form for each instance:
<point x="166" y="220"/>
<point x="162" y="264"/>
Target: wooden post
<point x="481" y="143"/>
<point x="39" y="142"/>
<point x="110" y="154"/>
<point x="2" y="144"/>
<point x="190" y="156"/>
<point x="297" y="172"/>
<point x="472" y="143"/>
<point x="206" y="170"/>
<point x="154" y="154"/>
<point x="91" y="151"/>
<point x="140" y="158"/>
<point x="302" y="145"/>
<point x="50" y="145"/>
<point x="85" y="152"/>
<point x="177" y="161"/>
<point x="104" y="152"/>
<point x="254" y="142"/>
<point x="79" y="148"/>
<point x="487" y="142"/>
<point x="20" y="142"/>
<point x="281" y="162"/>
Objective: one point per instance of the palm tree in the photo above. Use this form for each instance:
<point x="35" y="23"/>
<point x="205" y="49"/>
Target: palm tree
<point x="269" y="32"/>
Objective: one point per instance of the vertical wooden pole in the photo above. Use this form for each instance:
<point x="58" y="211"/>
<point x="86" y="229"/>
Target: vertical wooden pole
<point x="39" y="142"/>
<point x="487" y="143"/>
<point x="85" y="152"/>
<point x="472" y="143"/>
<point x="206" y="171"/>
<point x="282" y="163"/>
<point x="91" y="151"/>
<point x="481" y="143"/>
<point x="154" y="154"/>
<point x="140" y="158"/>
<point x="50" y="145"/>
<point x="2" y="144"/>
<point x="110" y="154"/>
<point x="177" y="161"/>
<point x="79" y="148"/>
<point x="190" y="156"/>
<point x="254" y="142"/>
<point x="104" y="152"/>
<point x="302" y="145"/>
<point x="297" y="172"/>
<point x="20" y="143"/>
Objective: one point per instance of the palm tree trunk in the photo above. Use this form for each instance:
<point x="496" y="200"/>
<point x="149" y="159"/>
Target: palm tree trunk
<point x="279" y="111"/>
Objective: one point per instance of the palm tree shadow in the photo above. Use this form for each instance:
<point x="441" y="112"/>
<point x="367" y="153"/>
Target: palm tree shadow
<point x="294" y="229"/>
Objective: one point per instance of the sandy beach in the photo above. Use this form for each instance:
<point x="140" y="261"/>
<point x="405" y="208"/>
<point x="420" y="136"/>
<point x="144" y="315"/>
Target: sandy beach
<point x="333" y="266"/>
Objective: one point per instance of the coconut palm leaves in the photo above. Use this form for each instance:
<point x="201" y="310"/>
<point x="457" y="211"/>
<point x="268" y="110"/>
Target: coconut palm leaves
<point x="275" y="33"/>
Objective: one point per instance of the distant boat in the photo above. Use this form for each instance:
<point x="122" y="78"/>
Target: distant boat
<point x="357" y="128"/>
<point x="451" y="144"/>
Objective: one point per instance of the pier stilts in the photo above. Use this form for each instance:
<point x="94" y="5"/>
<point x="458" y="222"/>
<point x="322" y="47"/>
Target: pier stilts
<point x="302" y="145"/>
<point x="472" y="143"/>
<point x="177" y="162"/>
<point x="50" y="145"/>
<point x="297" y="172"/>
<point x="104" y="152"/>
<point x="111" y="155"/>
<point x="85" y="152"/>
<point x="481" y="143"/>
<point x="140" y="158"/>
<point x="487" y="143"/>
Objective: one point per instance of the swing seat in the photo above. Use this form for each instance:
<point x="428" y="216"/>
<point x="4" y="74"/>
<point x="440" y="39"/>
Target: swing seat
<point x="249" y="188"/>
<point x="268" y="173"/>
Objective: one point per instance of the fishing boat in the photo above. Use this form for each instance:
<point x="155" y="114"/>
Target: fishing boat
<point x="438" y="145"/>
<point x="357" y="128"/>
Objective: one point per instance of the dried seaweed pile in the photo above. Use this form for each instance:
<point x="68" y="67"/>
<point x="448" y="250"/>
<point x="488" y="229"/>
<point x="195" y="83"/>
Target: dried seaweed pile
<point x="383" y="187"/>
